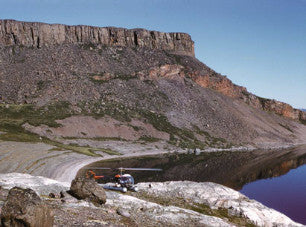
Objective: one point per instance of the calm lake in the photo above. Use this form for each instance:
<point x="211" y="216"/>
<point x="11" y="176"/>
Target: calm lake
<point x="286" y="193"/>
<point x="275" y="178"/>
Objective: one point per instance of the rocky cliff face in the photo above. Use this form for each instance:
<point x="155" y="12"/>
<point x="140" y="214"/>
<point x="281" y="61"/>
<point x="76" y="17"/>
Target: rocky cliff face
<point x="215" y="81"/>
<point x="226" y="87"/>
<point x="35" y="34"/>
<point x="55" y="71"/>
<point x="41" y="34"/>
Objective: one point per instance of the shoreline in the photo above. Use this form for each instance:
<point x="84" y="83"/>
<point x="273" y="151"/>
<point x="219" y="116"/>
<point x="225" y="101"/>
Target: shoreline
<point x="67" y="169"/>
<point x="196" y="152"/>
<point x="63" y="165"/>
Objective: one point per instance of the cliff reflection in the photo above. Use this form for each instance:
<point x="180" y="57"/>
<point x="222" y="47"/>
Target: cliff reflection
<point x="233" y="169"/>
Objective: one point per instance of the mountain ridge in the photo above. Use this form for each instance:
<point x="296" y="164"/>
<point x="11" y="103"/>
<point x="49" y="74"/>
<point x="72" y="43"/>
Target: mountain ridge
<point x="37" y="34"/>
<point x="175" y="93"/>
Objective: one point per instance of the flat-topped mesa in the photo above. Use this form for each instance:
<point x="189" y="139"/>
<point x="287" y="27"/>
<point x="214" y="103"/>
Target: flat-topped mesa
<point x="36" y="34"/>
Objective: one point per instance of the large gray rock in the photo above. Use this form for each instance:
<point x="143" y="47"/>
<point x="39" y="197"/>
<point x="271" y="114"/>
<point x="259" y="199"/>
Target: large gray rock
<point x="217" y="196"/>
<point x="145" y="213"/>
<point x="88" y="189"/>
<point x="25" y="208"/>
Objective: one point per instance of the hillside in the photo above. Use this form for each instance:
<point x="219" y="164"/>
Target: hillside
<point x="70" y="82"/>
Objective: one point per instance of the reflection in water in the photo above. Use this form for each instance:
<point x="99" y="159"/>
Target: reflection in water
<point x="286" y="193"/>
<point x="233" y="169"/>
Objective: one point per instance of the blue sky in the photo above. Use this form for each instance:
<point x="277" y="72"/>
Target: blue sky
<point x="259" y="44"/>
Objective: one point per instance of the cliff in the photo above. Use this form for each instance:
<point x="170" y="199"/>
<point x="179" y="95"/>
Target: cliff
<point x="225" y="86"/>
<point x="210" y="79"/>
<point x="129" y="87"/>
<point x="37" y="35"/>
<point x="34" y="34"/>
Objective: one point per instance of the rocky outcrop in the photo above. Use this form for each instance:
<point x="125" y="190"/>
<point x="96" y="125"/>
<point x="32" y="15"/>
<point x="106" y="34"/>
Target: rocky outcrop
<point x="89" y="190"/>
<point x="172" y="203"/>
<point x="217" y="82"/>
<point x="225" y="86"/>
<point x="24" y="208"/>
<point x="217" y="197"/>
<point x="283" y="109"/>
<point x="280" y="108"/>
<point x="41" y="185"/>
<point x="119" y="210"/>
<point x="34" y="34"/>
<point x="146" y="213"/>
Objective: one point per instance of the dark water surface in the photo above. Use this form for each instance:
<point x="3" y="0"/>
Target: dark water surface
<point x="275" y="178"/>
<point x="286" y="193"/>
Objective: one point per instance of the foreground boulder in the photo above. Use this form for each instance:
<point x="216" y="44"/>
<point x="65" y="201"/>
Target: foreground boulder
<point x="25" y="208"/>
<point x="89" y="190"/>
<point x="3" y="193"/>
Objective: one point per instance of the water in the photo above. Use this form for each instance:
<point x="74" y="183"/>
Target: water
<point x="286" y="193"/>
<point x="275" y="178"/>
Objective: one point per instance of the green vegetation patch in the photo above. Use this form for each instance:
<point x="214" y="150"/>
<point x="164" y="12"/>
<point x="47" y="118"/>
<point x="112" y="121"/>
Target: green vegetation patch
<point x="149" y="139"/>
<point x="221" y="213"/>
<point x="101" y="109"/>
<point x="96" y="138"/>
<point x="109" y="151"/>
<point x="200" y="208"/>
<point x="73" y="147"/>
<point x="101" y="77"/>
<point x="56" y="149"/>
<point x="20" y="137"/>
<point x="13" y="116"/>
<point x="182" y="137"/>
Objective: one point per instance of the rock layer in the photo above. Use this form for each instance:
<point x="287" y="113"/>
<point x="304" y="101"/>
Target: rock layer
<point x="35" y="34"/>
<point x="226" y="87"/>
<point x="123" y="82"/>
